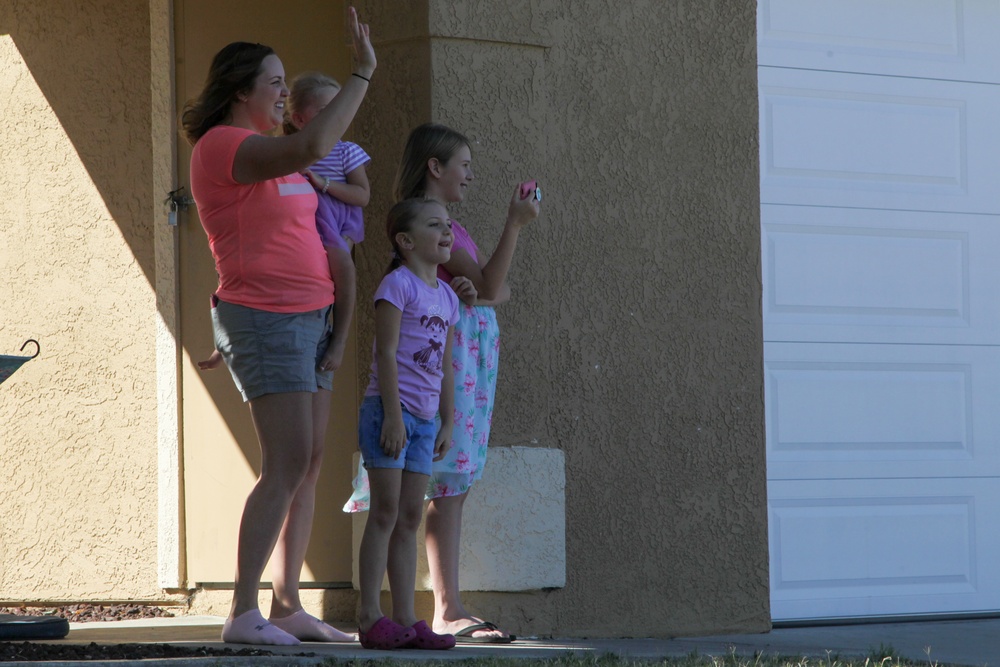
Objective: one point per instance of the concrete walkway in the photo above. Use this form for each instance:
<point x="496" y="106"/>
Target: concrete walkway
<point x="964" y="642"/>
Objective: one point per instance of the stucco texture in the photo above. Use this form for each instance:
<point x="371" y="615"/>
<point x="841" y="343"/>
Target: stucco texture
<point x="633" y="339"/>
<point x="78" y="444"/>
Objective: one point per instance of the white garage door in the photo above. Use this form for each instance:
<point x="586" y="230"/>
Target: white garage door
<point x="880" y="209"/>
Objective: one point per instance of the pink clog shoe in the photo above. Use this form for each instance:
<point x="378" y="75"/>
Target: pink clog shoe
<point x="386" y="635"/>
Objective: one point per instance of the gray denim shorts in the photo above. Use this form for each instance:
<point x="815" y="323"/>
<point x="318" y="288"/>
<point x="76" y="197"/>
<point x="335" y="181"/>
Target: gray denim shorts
<point x="273" y="353"/>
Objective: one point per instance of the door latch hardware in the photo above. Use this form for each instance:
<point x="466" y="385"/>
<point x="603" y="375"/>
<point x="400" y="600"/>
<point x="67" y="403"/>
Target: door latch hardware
<point x="177" y="202"/>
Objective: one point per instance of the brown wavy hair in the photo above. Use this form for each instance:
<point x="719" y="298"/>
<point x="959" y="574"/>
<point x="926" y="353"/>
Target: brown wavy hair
<point x="233" y="71"/>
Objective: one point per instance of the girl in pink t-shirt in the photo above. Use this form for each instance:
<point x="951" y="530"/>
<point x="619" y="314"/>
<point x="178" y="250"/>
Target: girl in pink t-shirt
<point x="398" y="435"/>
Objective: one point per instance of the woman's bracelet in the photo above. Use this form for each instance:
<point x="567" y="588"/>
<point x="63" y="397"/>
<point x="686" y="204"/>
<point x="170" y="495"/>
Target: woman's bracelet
<point x="326" y="186"/>
<point x="361" y="77"/>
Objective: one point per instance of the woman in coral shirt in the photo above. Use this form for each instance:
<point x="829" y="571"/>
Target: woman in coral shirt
<point x="271" y="313"/>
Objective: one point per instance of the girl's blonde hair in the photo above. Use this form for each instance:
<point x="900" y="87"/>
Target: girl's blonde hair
<point x="302" y="92"/>
<point x="399" y="221"/>
<point x="430" y="140"/>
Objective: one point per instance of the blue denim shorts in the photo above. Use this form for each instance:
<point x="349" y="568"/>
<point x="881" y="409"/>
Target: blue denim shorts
<point x="418" y="452"/>
<point x="273" y="353"/>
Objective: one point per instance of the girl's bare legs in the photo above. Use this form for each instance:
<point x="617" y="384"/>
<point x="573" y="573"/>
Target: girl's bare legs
<point x="443" y="538"/>
<point x="402" y="558"/>
<point x="283" y="423"/>
<point x="385" y="485"/>
<point x="290" y="550"/>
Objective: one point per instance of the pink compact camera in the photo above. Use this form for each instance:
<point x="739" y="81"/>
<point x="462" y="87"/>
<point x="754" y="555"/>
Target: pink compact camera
<point x="531" y="187"/>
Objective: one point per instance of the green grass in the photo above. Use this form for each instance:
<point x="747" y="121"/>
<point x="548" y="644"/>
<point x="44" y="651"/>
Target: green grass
<point x="882" y="657"/>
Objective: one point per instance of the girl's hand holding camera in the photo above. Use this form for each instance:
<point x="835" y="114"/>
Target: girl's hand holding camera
<point x="524" y="204"/>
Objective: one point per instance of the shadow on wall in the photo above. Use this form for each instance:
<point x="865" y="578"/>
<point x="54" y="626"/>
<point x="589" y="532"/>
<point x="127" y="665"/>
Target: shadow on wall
<point x="95" y="75"/>
<point x="92" y="61"/>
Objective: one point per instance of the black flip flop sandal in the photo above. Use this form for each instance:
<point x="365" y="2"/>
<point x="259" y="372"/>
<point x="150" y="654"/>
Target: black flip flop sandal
<point x="464" y="636"/>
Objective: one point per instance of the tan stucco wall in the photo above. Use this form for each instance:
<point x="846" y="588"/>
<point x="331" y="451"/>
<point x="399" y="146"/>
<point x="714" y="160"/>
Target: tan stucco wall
<point x="633" y="342"/>
<point x="77" y="212"/>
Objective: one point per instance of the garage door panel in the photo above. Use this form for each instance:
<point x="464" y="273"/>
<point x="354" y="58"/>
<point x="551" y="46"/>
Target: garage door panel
<point x="880" y="230"/>
<point x="942" y="39"/>
<point x="863" y="548"/>
<point x="836" y="139"/>
<point x="904" y="142"/>
<point x="869" y="275"/>
<point x="880" y="411"/>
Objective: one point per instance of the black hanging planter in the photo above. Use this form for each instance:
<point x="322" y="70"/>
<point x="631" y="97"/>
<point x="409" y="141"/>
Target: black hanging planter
<point x="10" y="363"/>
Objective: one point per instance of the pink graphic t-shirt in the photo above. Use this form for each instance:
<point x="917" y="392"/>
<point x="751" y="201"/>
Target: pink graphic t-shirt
<point x="428" y="314"/>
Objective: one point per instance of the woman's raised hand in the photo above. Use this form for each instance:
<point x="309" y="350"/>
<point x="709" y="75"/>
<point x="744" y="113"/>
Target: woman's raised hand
<point x="361" y="44"/>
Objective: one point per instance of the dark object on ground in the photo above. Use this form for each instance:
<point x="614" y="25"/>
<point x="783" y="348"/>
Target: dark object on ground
<point x="32" y="627"/>
<point x="32" y="652"/>
<point x="87" y="613"/>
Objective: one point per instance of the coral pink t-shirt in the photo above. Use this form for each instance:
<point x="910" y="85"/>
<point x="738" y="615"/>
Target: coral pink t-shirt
<point x="263" y="235"/>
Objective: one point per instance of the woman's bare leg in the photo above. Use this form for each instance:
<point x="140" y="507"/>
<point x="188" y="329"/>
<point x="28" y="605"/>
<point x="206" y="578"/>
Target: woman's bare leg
<point x="290" y="551"/>
<point x="283" y="423"/>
